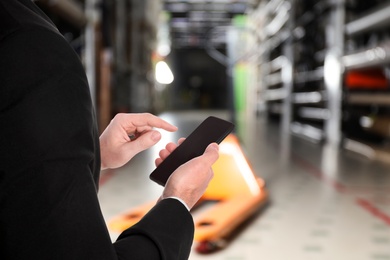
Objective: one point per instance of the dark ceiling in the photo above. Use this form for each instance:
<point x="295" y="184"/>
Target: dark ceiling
<point x="193" y="21"/>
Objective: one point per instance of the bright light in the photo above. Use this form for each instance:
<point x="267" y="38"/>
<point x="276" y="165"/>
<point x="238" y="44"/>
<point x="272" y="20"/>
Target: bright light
<point x="332" y="72"/>
<point x="242" y="164"/>
<point x="163" y="49"/>
<point x="366" y="122"/>
<point x="163" y="73"/>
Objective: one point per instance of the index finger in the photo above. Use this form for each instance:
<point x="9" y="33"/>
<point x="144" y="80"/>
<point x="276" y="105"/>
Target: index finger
<point x="147" y="119"/>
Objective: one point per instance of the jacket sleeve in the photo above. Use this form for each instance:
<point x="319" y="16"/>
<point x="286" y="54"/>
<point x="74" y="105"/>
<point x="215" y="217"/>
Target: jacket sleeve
<point x="169" y="228"/>
<point x="49" y="156"/>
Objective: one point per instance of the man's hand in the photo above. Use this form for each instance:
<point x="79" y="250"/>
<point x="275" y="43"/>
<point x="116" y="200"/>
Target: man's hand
<point x="191" y="179"/>
<point x="127" y="135"/>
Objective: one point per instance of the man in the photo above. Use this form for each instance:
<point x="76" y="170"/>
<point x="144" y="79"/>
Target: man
<point x="50" y="156"/>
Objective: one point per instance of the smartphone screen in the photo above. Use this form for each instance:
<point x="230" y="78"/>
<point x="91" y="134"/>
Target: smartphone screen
<point x="211" y="130"/>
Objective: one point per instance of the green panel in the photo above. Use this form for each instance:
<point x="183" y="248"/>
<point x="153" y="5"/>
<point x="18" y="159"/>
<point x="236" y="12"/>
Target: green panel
<point x="240" y="81"/>
<point x="240" y="20"/>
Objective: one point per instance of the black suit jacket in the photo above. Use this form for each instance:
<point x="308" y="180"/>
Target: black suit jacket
<point x="49" y="156"/>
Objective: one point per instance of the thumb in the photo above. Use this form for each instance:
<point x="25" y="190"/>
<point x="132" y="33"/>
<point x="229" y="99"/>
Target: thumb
<point x="211" y="153"/>
<point x="145" y="141"/>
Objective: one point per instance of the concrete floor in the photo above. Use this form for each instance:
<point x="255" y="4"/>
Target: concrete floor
<point x="324" y="203"/>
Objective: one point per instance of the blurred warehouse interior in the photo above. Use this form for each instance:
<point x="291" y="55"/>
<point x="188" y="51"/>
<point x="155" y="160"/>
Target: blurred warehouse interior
<point x="318" y="67"/>
<point x="307" y="82"/>
<point x="120" y="43"/>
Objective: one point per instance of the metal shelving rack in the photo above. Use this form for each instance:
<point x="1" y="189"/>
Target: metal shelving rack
<point x="273" y="19"/>
<point x="333" y="71"/>
<point x="376" y="18"/>
<point x="303" y="112"/>
<point x="316" y="110"/>
<point x="369" y="56"/>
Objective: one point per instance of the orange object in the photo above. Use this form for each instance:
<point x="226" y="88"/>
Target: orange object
<point x="366" y="79"/>
<point x="238" y="192"/>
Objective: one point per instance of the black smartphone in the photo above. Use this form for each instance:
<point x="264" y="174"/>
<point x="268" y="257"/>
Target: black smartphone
<point x="211" y="130"/>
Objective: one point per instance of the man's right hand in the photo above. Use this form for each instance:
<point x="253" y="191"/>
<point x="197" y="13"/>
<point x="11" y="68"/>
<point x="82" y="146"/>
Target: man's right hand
<point x="190" y="180"/>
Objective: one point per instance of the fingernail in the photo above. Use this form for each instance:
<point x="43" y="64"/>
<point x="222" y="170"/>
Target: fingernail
<point x="155" y="136"/>
<point x="215" y="146"/>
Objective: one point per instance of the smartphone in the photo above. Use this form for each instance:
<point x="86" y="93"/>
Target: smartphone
<point x="211" y="130"/>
